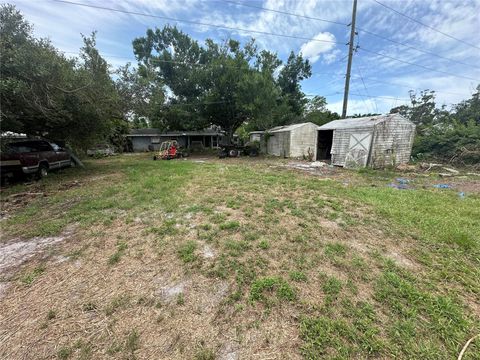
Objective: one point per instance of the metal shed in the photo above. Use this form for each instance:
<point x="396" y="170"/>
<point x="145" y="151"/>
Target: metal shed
<point x="375" y="141"/>
<point x="295" y="140"/>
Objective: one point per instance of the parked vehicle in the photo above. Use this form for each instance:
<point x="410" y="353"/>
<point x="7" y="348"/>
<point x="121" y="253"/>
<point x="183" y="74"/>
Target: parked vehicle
<point x="101" y="150"/>
<point x="170" y="150"/>
<point x="32" y="157"/>
<point x="237" y="150"/>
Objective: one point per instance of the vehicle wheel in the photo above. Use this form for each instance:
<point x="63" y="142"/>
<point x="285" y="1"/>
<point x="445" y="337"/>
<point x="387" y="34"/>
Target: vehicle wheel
<point x="42" y="171"/>
<point x="233" y="153"/>
<point x="222" y="154"/>
<point x="154" y="157"/>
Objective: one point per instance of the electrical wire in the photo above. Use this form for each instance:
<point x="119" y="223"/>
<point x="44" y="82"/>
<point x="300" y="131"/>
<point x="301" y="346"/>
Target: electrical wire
<point x="414" y="64"/>
<point x="246" y="30"/>
<point x="193" y="22"/>
<point x="425" y="25"/>
<point x="356" y="28"/>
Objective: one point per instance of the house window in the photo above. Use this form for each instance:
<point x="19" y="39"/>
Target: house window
<point x="155" y="140"/>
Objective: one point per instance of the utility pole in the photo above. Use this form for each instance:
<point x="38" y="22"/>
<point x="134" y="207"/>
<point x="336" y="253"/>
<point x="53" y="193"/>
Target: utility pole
<point x="349" y="64"/>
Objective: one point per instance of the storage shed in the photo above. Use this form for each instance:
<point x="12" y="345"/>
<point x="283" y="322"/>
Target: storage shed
<point x="295" y="140"/>
<point x="375" y="141"/>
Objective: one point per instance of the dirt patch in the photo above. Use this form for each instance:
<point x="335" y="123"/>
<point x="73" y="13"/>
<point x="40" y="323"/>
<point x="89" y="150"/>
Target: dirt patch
<point x="17" y="252"/>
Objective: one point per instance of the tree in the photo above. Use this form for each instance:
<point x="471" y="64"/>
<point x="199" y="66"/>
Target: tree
<point x="224" y="84"/>
<point x="468" y="110"/>
<point x="317" y="112"/>
<point x="441" y="134"/>
<point x="141" y="99"/>
<point x="45" y="94"/>
<point x="295" y="70"/>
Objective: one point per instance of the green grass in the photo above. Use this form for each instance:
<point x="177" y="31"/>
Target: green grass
<point x="186" y="251"/>
<point x="263" y="288"/>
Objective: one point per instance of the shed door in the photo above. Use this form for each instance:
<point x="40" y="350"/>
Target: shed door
<point x="358" y="150"/>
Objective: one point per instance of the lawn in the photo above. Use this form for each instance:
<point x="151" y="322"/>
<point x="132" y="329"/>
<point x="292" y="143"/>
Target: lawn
<point x="237" y="259"/>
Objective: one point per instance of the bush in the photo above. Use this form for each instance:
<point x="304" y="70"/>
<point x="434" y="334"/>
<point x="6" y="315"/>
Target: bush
<point x="459" y="144"/>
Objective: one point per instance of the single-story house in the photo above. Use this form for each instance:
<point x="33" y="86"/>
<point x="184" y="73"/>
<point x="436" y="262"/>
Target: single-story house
<point x="151" y="139"/>
<point x="295" y="141"/>
<point x="375" y="141"/>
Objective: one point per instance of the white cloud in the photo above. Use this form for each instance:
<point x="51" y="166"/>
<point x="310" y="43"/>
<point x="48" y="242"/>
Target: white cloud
<point x="331" y="57"/>
<point x="323" y="42"/>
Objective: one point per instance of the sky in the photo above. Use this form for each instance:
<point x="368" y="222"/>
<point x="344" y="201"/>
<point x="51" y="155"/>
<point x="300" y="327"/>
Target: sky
<point x="382" y="70"/>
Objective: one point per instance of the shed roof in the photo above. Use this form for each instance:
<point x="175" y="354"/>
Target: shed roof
<point x="368" y="121"/>
<point x="288" y="127"/>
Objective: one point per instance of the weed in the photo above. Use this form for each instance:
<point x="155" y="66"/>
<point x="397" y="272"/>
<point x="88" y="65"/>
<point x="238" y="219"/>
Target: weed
<point x="236" y="248"/>
<point x="332" y="286"/>
<point x="206" y="227"/>
<point x="334" y="250"/>
<point x="205" y="354"/>
<point x="186" y="251"/>
<point x="90" y="306"/>
<point x="229" y="225"/>
<point x="264" y="244"/>
<point x="132" y="343"/>
<point x="64" y="353"/>
<point x="180" y="299"/>
<point x="52" y="314"/>
<point x="116" y="256"/>
<point x="117" y="302"/>
<point x="30" y="277"/>
<point x="279" y="286"/>
<point x="298" y="276"/>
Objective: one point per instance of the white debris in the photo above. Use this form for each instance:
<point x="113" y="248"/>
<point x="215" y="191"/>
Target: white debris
<point x="208" y="252"/>
<point x="171" y="292"/>
<point x="453" y="171"/>
<point x="318" y="164"/>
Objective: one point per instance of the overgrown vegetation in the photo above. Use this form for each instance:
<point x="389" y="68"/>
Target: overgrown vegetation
<point x="446" y="135"/>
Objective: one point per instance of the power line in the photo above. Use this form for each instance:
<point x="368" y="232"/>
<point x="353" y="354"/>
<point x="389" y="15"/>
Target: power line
<point x="427" y="26"/>
<point x="408" y="86"/>
<point x="414" y="64"/>
<point x="380" y="97"/>
<point x="365" y="87"/>
<point x="285" y="13"/>
<point x="416" y="48"/>
<point x="194" y="22"/>
<point x="357" y="28"/>
<point x="246" y="30"/>
<point x="195" y="64"/>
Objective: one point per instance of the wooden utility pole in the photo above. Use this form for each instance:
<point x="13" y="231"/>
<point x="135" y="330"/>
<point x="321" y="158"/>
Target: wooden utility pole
<point x="349" y="64"/>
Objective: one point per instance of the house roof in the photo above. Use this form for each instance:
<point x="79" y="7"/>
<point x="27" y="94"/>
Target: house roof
<point x="150" y="132"/>
<point x="288" y="127"/>
<point x="368" y="121"/>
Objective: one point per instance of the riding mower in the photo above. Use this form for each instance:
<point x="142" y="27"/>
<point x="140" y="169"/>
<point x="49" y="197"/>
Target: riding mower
<point x="170" y="150"/>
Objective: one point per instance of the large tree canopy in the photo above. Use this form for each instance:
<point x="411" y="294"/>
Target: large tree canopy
<point x="44" y="93"/>
<point x="221" y="84"/>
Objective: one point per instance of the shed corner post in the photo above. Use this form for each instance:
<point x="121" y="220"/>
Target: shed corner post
<point x="372" y="142"/>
